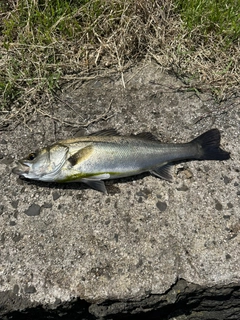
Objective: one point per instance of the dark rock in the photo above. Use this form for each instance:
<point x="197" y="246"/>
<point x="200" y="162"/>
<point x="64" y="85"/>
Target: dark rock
<point x="226" y="216"/>
<point x="14" y="204"/>
<point x="17" y="237"/>
<point x="162" y="206"/>
<point x="30" y="289"/>
<point x="56" y="195"/>
<point x="229" y="205"/>
<point x="144" y="193"/>
<point x="183" y="188"/>
<point x="16" y="289"/>
<point x="33" y="210"/>
<point x="226" y="180"/>
<point x="47" y="205"/>
<point x="218" y="205"/>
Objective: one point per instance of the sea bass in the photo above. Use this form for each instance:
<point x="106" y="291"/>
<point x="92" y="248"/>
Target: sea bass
<point x="107" y="155"/>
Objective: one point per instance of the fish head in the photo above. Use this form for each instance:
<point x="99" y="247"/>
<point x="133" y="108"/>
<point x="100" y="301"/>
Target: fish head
<point x="43" y="164"/>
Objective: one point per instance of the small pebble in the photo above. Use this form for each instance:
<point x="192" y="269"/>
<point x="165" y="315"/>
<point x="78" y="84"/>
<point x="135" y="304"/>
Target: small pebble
<point x="33" y="210"/>
<point x="162" y="206"/>
<point x="56" y="195"/>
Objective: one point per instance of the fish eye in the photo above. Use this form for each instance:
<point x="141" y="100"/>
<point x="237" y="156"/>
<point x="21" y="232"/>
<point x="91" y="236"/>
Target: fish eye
<point x="31" y="156"/>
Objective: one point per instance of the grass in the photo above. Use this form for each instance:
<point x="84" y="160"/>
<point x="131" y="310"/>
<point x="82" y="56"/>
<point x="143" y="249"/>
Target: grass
<point x="44" y="43"/>
<point x="217" y="18"/>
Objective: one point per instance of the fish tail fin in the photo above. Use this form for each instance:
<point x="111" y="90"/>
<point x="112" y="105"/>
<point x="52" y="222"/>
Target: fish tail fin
<point x="208" y="146"/>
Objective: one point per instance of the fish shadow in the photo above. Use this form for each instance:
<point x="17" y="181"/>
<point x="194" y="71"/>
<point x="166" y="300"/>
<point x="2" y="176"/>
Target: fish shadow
<point x="111" y="185"/>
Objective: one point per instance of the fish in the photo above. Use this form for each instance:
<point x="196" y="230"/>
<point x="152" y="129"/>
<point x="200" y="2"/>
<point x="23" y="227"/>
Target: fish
<point x="106" y="154"/>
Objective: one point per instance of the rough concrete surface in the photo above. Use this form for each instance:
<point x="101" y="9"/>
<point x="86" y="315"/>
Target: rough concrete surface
<point x="60" y="243"/>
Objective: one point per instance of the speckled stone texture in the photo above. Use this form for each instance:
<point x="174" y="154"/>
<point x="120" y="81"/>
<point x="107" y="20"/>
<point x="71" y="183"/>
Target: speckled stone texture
<point x="63" y="242"/>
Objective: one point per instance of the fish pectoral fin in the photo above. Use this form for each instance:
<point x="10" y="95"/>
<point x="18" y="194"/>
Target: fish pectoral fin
<point x="95" y="184"/>
<point x="163" y="172"/>
<point x="81" y="155"/>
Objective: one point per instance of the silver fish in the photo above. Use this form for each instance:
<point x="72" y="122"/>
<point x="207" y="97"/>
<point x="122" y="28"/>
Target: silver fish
<point x="107" y="155"/>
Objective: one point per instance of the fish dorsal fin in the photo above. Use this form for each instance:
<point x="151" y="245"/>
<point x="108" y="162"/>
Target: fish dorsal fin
<point x="163" y="172"/>
<point x="146" y="135"/>
<point x="81" y="155"/>
<point x="105" y="132"/>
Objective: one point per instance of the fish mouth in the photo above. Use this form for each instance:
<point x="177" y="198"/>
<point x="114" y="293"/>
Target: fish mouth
<point x="21" y="169"/>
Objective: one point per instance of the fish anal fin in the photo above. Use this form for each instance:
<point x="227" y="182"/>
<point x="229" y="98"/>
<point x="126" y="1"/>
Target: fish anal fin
<point x="81" y="155"/>
<point x="163" y="172"/>
<point x="105" y="132"/>
<point x="95" y="184"/>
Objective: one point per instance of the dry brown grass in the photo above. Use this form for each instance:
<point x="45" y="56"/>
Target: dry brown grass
<point x="105" y="37"/>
